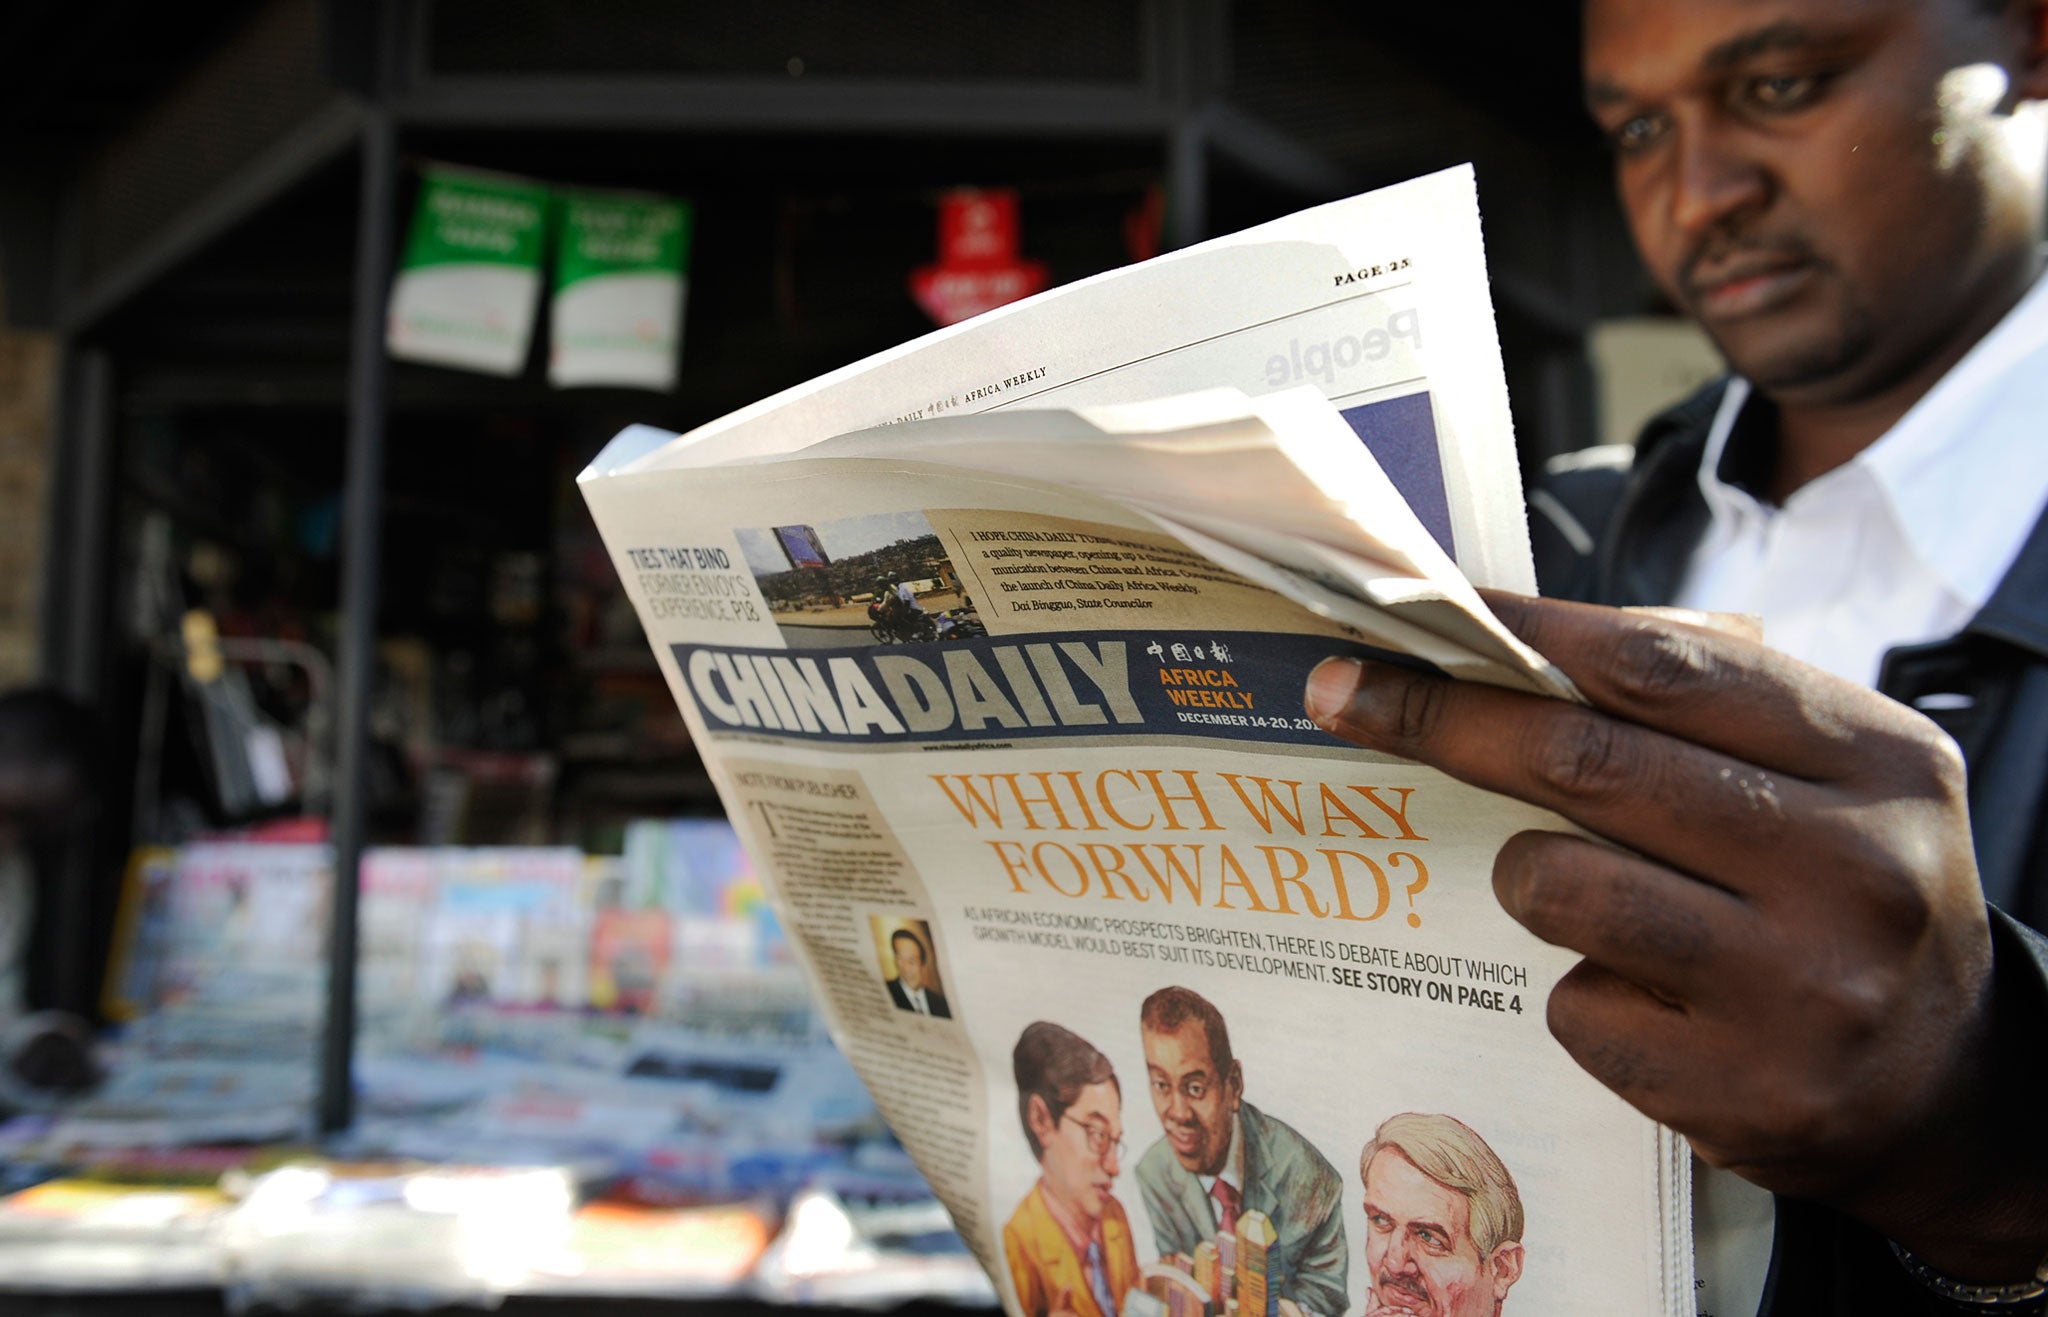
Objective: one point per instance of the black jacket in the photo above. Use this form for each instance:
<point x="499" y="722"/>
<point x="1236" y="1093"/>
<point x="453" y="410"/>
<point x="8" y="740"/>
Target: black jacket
<point x="1618" y="527"/>
<point x="934" y="1000"/>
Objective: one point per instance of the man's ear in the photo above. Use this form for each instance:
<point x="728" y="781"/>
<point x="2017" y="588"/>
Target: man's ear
<point x="1507" y="1268"/>
<point x="1236" y="1079"/>
<point x="1039" y="1117"/>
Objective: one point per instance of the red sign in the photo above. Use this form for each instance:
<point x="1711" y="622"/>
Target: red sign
<point x="978" y="267"/>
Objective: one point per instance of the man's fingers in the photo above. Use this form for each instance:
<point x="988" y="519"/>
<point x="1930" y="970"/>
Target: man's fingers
<point x="1655" y="1056"/>
<point x="1658" y="929"/>
<point x="1711" y="688"/>
<point x="1620" y="1034"/>
<point x="1703" y="812"/>
<point x="1690" y="1073"/>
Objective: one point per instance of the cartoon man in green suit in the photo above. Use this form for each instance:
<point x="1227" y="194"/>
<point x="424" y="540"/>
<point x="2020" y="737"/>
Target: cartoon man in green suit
<point x="1221" y="1157"/>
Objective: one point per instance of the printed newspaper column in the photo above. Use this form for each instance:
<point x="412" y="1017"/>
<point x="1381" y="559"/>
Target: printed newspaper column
<point x="468" y="282"/>
<point x="619" y="290"/>
<point x="856" y="907"/>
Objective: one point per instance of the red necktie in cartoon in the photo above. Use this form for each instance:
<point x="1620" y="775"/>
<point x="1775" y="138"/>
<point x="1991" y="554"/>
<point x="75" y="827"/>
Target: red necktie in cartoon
<point x="1227" y="1202"/>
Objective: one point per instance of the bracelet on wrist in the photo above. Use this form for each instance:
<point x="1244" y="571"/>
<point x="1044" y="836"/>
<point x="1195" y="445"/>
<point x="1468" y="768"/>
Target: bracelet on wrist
<point x="2023" y="1296"/>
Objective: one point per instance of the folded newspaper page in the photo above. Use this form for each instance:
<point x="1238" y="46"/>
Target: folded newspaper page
<point x="995" y="647"/>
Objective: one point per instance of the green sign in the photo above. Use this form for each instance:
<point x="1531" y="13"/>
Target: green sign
<point x="619" y="290"/>
<point x="469" y="279"/>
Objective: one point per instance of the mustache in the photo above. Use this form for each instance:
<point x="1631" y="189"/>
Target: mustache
<point x="1409" y="1285"/>
<point x="1720" y="254"/>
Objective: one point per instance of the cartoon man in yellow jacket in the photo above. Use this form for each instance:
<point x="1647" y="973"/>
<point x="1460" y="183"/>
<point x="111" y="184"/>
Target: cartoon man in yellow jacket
<point x="1069" y="1242"/>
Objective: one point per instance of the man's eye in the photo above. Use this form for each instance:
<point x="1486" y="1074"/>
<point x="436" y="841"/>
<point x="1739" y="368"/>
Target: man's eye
<point x="1636" y="134"/>
<point x="1782" y="91"/>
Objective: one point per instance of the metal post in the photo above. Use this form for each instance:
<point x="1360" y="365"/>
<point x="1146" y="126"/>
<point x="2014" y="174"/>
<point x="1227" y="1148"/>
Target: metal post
<point x="75" y="544"/>
<point x="1189" y="54"/>
<point x="73" y="625"/>
<point x="1187" y="181"/>
<point x="367" y="389"/>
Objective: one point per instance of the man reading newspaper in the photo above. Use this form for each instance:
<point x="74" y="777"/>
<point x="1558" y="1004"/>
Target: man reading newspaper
<point x="1788" y="958"/>
<point x="1791" y="960"/>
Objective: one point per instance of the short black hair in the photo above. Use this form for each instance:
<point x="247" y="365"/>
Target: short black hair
<point x="1166" y="1010"/>
<point x="1054" y="1064"/>
<point x="903" y="934"/>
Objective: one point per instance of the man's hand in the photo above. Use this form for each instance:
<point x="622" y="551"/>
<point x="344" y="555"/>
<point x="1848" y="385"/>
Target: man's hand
<point x="1790" y="963"/>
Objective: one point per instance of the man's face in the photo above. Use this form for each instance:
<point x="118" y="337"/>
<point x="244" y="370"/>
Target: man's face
<point x="1419" y="1250"/>
<point x="1194" y="1102"/>
<point x="909" y="963"/>
<point x="1838" y="190"/>
<point x="1080" y="1159"/>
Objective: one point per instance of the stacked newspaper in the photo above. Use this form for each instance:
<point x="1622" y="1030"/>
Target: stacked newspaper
<point x="995" y="645"/>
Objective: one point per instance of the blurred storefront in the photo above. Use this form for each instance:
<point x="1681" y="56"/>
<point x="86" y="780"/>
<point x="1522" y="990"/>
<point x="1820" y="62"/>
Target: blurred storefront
<point x="356" y="601"/>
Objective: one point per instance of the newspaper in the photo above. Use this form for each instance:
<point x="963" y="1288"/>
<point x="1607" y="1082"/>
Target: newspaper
<point x="995" y="647"/>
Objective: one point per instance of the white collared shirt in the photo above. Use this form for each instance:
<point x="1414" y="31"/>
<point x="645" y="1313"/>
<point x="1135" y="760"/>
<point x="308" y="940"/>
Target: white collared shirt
<point x="1901" y="545"/>
<point x="916" y="996"/>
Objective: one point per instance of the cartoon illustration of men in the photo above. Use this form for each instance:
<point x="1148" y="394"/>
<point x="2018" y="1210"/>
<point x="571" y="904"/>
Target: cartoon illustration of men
<point x="910" y="988"/>
<point x="1222" y="1157"/>
<point x="1443" y="1220"/>
<point x="1069" y="1242"/>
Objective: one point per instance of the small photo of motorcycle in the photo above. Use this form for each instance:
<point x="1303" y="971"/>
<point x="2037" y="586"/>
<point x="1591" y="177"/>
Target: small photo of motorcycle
<point x="894" y="620"/>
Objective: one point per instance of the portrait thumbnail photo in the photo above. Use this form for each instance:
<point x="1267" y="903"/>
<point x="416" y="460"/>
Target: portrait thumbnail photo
<point x="910" y="965"/>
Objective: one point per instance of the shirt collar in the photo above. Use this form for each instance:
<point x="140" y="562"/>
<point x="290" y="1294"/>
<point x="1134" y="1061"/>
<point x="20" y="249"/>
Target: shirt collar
<point x="1725" y="499"/>
<point x="1960" y="472"/>
<point x="1964" y="469"/>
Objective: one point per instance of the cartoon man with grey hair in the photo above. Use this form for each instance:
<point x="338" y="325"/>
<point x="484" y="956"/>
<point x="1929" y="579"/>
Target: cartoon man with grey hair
<point x="1443" y="1220"/>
